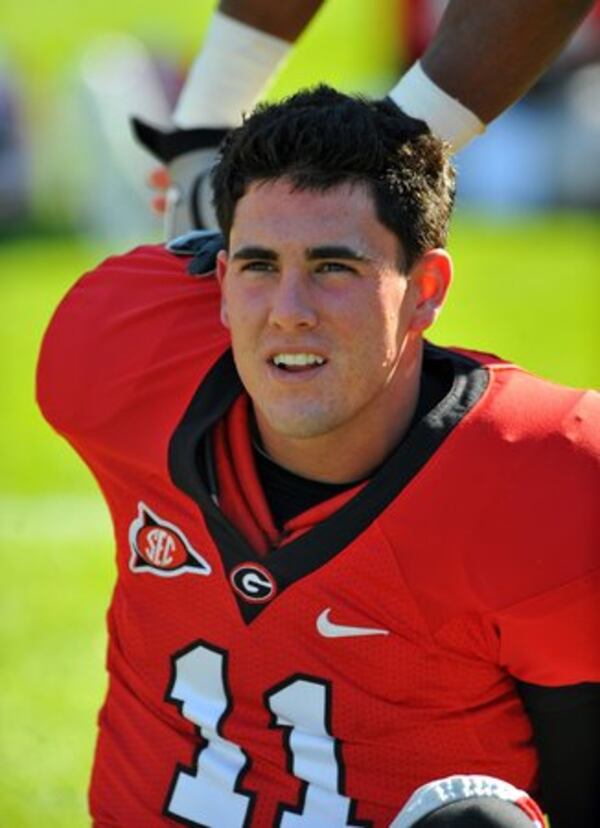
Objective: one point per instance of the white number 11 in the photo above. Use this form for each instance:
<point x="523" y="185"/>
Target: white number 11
<point x="211" y="795"/>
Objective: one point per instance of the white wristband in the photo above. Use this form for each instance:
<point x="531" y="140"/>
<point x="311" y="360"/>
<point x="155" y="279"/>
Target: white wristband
<point x="418" y="96"/>
<point x="435" y="795"/>
<point x="232" y="70"/>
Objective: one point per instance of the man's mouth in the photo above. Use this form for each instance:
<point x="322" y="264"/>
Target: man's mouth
<point x="297" y="362"/>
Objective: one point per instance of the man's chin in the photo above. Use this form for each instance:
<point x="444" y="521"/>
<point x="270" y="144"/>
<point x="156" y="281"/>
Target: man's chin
<point x="296" y="425"/>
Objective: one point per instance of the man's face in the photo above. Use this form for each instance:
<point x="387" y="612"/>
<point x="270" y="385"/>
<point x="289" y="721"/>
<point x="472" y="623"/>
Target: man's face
<point x="320" y="310"/>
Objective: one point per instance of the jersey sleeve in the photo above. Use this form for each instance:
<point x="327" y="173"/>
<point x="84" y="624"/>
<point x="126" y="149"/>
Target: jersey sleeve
<point x="125" y="346"/>
<point x="552" y="637"/>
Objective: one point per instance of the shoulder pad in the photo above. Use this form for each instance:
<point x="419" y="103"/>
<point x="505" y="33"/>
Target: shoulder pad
<point x="202" y="246"/>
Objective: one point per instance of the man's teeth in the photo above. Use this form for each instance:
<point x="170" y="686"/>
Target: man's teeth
<point x="298" y="359"/>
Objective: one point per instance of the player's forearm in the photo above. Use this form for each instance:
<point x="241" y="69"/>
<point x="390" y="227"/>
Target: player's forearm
<point x="280" y="19"/>
<point x="488" y="54"/>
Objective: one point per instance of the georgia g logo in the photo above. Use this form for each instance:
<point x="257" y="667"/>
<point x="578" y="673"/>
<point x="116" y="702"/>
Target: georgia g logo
<point x="253" y="583"/>
<point x="160" y="548"/>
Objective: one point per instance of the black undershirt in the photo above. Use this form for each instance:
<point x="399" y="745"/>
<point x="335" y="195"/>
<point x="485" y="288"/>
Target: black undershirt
<point x="289" y="495"/>
<point x="565" y="720"/>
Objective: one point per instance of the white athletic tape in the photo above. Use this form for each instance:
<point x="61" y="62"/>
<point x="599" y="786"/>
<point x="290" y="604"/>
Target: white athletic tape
<point x="233" y="68"/>
<point x="418" y="96"/>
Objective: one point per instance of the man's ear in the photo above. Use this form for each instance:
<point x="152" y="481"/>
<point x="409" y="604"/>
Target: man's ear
<point x="430" y="279"/>
<point x="220" y="272"/>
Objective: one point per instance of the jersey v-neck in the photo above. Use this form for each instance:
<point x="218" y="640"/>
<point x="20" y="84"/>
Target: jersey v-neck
<point x="240" y="493"/>
<point x="289" y="494"/>
<point x="192" y="469"/>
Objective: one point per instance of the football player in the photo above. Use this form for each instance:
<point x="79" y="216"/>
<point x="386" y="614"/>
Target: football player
<point x="349" y="561"/>
<point x="483" y="57"/>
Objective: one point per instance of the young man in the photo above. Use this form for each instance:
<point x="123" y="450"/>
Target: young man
<point x="483" y="57"/>
<point x="350" y="562"/>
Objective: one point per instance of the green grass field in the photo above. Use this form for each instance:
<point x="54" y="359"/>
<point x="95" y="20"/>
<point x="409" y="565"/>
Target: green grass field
<point x="526" y="289"/>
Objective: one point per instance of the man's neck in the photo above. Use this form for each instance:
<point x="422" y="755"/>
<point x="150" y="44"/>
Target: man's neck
<point x="353" y="450"/>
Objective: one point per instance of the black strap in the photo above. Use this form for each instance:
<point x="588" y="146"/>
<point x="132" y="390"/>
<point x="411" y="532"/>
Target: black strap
<point x="566" y="727"/>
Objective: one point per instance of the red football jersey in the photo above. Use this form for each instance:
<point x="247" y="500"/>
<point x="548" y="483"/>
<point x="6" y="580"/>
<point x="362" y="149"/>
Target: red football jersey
<point x="319" y="680"/>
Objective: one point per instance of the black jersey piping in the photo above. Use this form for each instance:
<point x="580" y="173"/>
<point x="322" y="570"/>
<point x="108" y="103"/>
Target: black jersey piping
<point x="191" y="442"/>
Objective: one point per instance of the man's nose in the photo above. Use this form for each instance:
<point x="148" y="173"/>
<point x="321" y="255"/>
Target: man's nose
<point x="292" y="304"/>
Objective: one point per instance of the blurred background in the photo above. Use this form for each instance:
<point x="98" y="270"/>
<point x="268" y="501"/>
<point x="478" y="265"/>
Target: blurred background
<point x="526" y="244"/>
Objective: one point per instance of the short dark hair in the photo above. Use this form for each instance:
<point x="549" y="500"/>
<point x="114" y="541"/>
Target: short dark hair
<point x="320" y="138"/>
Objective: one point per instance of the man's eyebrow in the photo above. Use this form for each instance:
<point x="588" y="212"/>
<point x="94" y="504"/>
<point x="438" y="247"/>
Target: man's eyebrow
<point x="251" y="252"/>
<point x="335" y="251"/>
<point x="325" y="251"/>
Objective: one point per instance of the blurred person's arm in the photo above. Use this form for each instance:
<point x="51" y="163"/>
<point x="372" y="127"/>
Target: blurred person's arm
<point x="482" y="58"/>
<point x="489" y="54"/>
<point x="485" y="55"/>
<point x="285" y="20"/>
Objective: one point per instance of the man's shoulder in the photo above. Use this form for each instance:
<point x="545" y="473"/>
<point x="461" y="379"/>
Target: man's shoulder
<point x="523" y="406"/>
<point x="148" y="278"/>
<point x="527" y="454"/>
<point x="145" y="274"/>
<point x="513" y="491"/>
<point x="134" y="322"/>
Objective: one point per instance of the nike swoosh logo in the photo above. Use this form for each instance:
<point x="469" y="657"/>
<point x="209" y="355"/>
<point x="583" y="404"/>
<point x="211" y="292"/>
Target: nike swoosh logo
<point x="330" y="630"/>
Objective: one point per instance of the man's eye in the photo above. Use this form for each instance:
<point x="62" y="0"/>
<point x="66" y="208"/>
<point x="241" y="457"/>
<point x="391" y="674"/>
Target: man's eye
<point x="334" y="267"/>
<point x="258" y="266"/>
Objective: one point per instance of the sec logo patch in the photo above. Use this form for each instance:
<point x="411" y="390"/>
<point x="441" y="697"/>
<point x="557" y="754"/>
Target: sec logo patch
<point x="158" y="547"/>
<point x="253" y="583"/>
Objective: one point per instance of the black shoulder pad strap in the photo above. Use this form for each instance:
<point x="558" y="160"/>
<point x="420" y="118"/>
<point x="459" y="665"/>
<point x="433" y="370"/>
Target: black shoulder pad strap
<point x="202" y="246"/>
